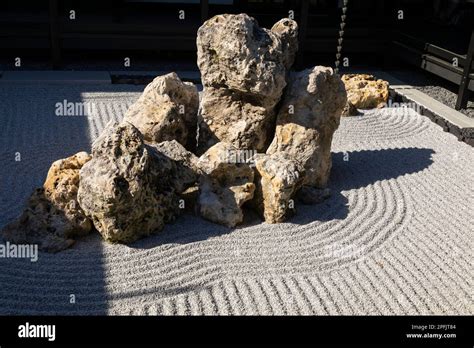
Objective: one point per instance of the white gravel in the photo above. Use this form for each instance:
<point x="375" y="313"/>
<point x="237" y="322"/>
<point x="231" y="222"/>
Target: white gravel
<point x="395" y="237"/>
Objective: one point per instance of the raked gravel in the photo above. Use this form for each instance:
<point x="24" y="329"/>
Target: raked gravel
<point x="395" y="237"/>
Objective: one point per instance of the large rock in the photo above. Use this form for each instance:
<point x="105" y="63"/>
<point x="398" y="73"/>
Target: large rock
<point x="309" y="115"/>
<point x="167" y="110"/>
<point x="365" y="92"/>
<point x="226" y="184"/>
<point x="243" y="69"/>
<point x="278" y="178"/>
<point x="127" y="188"/>
<point x="228" y="116"/>
<point x="53" y="217"/>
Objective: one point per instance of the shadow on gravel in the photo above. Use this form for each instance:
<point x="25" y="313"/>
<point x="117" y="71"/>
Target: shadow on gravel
<point x="71" y="282"/>
<point x="358" y="169"/>
<point x="351" y="170"/>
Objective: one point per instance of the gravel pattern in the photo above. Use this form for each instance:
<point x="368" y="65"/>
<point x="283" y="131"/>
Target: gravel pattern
<point x="394" y="238"/>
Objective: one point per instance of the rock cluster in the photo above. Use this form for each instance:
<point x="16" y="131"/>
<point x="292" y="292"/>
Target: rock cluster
<point x="263" y="139"/>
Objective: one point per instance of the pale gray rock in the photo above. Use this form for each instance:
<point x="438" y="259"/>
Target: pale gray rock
<point x="243" y="69"/>
<point x="277" y="179"/>
<point x="310" y="113"/>
<point x="167" y="110"/>
<point x="127" y="188"/>
<point x="225" y="185"/>
<point x="227" y="116"/>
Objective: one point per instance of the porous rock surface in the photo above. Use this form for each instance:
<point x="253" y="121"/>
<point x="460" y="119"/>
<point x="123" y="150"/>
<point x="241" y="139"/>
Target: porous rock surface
<point x="166" y="110"/>
<point x="309" y="115"/>
<point x="365" y="91"/>
<point x="53" y="217"/>
<point x="225" y="185"/>
<point x="145" y="169"/>
<point x="60" y="188"/>
<point x="127" y="188"/>
<point x="277" y="179"/>
<point x="187" y="169"/>
<point x="244" y="69"/>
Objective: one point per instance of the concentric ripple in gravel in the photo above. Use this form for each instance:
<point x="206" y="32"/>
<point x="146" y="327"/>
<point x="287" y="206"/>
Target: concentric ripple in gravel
<point x="394" y="238"/>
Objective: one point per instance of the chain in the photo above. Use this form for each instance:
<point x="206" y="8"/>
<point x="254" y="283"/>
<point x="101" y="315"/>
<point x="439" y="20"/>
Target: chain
<point x="341" y="36"/>
<point x="198" y="128"/>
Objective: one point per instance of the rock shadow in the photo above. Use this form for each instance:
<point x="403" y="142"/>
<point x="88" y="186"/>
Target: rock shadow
<point x="71" y="282"/>
<point x="351" y="170"/>
<point x="358" y="169"/>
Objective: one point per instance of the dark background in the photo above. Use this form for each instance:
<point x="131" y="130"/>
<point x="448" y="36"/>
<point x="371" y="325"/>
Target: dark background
<point x="152" y="35"/>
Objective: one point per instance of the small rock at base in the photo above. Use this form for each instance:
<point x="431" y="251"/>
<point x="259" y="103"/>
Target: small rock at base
<point x="277" y="179"/>
<point x="53" y="216"/>
<point x="224" y="186"/>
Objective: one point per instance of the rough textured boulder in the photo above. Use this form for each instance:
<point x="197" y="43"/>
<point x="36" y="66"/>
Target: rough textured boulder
<point x="277" y="179"/>
<point x="226" y="184"/>
<point x="243" y="69"/>
<point x="127" y="188"/>
<point x="60" y="188"/>
<point x="365" y="92"/>
<point x="53" y="217"/>
<point x="187" y="170"/>
<point x="167" y="110"/>
<point x="227" y="116"/>
<point x="309" y="115"/>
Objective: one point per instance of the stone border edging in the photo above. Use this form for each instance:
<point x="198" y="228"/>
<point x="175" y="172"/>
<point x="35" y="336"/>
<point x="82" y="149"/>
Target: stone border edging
<point x="450" y="120"/>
